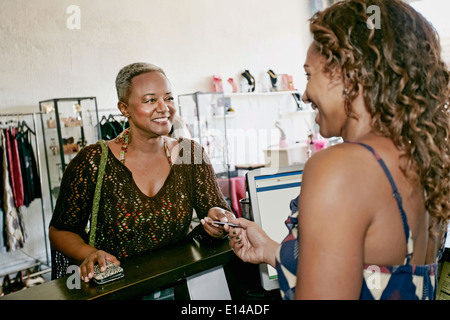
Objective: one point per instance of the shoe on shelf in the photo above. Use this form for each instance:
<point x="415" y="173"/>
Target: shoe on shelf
<point x="18" y="283"/>
<point x="217" y="82"/>
<point x="6" y="287"/>
<point x="33" y="280"/>
<point x="233" y="85"/>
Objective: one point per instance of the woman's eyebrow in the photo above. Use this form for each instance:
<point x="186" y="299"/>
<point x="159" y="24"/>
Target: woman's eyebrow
<point x="153" y="94"/>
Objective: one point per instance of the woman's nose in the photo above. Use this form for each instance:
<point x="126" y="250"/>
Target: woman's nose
<point x="162" y="106"/>
<point x="305" y="98"/>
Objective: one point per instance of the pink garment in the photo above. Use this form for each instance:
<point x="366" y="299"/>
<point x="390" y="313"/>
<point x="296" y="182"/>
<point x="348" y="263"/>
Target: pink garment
<point x="235" y="192"/>
<point x="15" y="170"/>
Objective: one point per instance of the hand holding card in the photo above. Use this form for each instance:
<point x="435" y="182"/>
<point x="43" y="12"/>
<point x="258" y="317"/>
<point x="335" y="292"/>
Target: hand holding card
<point x="227" y="223"/>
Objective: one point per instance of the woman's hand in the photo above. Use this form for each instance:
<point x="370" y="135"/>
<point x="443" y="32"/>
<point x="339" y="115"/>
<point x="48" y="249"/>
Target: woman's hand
<point x="250" y="243"/>
<point x="100" y="257"/>
<point x="216" y="214"/>
<point x="73" y="246"/>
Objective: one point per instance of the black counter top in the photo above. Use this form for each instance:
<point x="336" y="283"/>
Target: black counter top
<point x="143" y="274"/>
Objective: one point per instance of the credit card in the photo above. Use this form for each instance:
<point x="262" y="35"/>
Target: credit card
<point x="228" y="223"/>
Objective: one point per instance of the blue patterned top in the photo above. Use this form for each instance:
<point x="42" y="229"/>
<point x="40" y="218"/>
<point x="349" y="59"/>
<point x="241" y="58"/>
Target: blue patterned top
<point x="407" y="281"/>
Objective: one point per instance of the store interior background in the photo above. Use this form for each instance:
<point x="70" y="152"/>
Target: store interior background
<point x="41" y="58"/>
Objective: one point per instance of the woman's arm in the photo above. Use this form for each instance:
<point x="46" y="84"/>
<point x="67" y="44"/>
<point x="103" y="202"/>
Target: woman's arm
<point x="73" y="209"/>
<point x="73" y="246"/>
<point x="69" y="243"/>
<point x="208" y="200"/>
<point x="332" y="228"/>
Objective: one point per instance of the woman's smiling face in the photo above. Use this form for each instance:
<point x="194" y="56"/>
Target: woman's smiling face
<point x="151" y="105"/>
<point x="324" y="91"/>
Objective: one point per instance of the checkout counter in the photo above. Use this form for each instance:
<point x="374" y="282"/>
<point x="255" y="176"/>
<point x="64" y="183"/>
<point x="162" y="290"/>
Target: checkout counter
<point x="210" y="264"/>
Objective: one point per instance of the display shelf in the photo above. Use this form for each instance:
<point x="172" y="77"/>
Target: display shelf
<point x="255" y="94"/>
<point x="68" y="126"/>
<point x="205" y="115"/>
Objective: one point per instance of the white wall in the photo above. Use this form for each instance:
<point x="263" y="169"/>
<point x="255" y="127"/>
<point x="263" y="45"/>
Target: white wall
<point x="191" y="39"/>
<point x="439" y="20"/>
<point x="40" y="58"/>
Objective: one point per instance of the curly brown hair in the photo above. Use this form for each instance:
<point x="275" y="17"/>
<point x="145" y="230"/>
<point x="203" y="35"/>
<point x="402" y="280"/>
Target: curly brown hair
<point x="405" y="84"/>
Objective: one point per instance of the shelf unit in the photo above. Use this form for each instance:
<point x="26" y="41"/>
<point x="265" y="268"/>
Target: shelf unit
<point x="205" y="116"/>
<point x="269" y="93"/>
<point x="68" y="125"/>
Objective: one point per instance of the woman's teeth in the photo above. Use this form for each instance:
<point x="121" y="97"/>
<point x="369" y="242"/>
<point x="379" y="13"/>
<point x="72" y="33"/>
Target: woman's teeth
<point x="161" y="119"/>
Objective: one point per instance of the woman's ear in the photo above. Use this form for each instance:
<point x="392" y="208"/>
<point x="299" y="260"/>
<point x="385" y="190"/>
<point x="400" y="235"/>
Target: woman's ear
<point x="336" y="76"/>
<point x="123" y="108"/>
<point x="335" y="80"/>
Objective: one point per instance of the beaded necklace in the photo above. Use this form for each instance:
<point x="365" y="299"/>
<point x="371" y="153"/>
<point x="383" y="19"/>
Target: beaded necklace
<point x="124" y="138"/>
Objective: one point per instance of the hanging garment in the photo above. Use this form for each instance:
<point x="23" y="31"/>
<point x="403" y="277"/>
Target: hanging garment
<point x="15" y="172"/>
<point x="2" y="232"/>
<point x="2" y="213"/>
<point x="30" y="176"/>
<point x="14" y="228"/>
<point x="110" y="127"/>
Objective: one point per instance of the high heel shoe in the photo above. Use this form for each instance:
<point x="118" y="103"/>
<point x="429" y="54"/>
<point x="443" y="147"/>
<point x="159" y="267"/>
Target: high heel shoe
<point x="6" y="287"/>
<point x="217" y="82"/>
<point x="233" y="84"/>
<point x="250" y="79"/>
<point x="18" y="283"/>
<point x="33" y="280"/>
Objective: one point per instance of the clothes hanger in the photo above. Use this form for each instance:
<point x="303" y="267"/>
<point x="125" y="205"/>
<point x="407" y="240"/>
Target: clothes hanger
<point x="23" y="125"/>
<point x="103" y="119"/>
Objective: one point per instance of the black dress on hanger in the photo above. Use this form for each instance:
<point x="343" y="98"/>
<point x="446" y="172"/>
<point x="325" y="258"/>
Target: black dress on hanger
<point x="111" y="128"/>
<point x="30" y="176"/>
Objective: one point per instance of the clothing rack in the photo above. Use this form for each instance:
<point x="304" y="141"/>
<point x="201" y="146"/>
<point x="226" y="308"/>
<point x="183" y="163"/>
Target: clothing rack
<point x="110" y="116"/>
<point x="39" y="165"/>
<point x="114" y="112"/>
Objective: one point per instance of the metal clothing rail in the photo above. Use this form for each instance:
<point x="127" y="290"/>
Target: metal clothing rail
<point x="19" y="114"/>
<point x="38" y="155"/>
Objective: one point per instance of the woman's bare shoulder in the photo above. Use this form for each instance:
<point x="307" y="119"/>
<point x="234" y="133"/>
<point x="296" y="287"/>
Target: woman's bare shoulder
<point x="339" y="179"/>
<point x="339" y="161"/>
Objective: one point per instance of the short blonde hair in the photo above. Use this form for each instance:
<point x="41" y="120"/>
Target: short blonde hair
<point x="127" y="73"/>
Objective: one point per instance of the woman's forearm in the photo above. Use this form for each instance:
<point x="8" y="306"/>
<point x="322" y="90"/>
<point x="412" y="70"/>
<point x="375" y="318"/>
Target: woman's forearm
<point x="70" y="244"/>
<point x="270" y="252"/>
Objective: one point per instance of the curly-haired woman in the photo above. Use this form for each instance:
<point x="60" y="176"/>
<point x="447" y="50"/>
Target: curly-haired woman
<point x="373" y="210"/>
